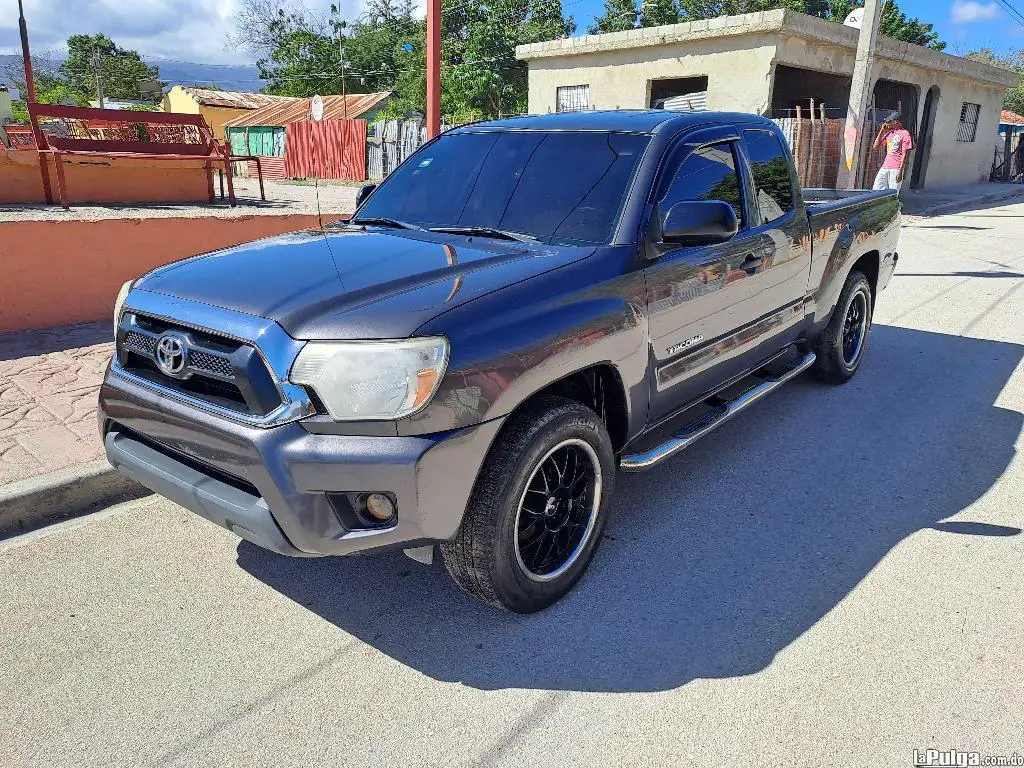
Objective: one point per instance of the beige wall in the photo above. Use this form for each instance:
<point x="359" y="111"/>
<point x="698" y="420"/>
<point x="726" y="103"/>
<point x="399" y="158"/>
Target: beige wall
<point x="177" y="99"/>
<point x="740" y="71"/>
<point x="737" y="79"/>
<point x="951" y="162"/>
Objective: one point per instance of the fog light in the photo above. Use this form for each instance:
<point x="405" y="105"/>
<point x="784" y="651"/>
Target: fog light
<point x="380" y="507"/>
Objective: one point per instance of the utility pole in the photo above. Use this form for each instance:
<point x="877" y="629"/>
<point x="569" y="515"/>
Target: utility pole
<point x="433" y="68"/>
<point x="344" y="95"/>
<point x="30" y="95"/>
<point x="96" y="61"/>
<point x="30" y="83"/>
<point x="860" y="93"/>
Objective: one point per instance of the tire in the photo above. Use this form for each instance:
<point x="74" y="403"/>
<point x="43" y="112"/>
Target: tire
<point x="837" y="359"/>
<point x="494" y="556"/>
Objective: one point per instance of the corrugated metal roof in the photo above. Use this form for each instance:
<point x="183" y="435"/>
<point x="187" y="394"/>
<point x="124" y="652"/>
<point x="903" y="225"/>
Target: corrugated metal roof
<point x="687" y="102"/>
<point x="1006" y="117"/>
<point x="234" y="99"/>
<point x="335" y="108"/>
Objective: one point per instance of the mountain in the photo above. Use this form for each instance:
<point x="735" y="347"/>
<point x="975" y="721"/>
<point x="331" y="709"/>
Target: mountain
<point x="229" y="77"/>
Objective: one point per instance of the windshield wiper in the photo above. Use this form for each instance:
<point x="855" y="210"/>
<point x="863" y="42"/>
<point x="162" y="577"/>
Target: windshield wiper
<point x="486" y="232"/>
<point x="383" y="221"/>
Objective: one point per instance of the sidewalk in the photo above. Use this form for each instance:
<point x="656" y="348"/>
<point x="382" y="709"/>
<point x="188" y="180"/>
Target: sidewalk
<point x="48" y="385"/>
<point x="937" y="202"/>
<point x="49" y="381"/>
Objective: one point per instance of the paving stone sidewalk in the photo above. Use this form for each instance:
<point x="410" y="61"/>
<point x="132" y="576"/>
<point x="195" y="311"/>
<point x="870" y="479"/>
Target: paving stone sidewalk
<point x="48" y="385"/>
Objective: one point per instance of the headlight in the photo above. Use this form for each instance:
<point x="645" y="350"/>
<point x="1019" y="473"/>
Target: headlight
<point x="372" y="380"/>
<point x="122" y="295"/>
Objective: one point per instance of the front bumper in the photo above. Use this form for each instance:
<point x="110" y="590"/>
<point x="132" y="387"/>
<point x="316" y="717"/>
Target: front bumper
<point x="270" y="486"/>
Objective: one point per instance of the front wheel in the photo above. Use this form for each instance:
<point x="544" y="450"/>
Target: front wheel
<point x="537" y="511"/>
<point x="840" y="348"/>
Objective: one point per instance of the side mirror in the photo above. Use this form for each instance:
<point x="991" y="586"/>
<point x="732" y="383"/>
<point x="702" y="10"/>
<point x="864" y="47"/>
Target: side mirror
<point x="699" y="222"/>
<point x="363" y="193"/>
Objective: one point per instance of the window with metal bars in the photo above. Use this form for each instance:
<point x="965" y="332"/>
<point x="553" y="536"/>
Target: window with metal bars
<point x="968" y="122"/>
<point x="572" y="98"/>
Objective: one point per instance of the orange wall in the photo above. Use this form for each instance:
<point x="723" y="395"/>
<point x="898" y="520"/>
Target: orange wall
<point x="102" y="180"/>
<point x="61" y="272"/>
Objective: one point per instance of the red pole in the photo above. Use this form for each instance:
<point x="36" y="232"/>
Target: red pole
<point x="30" y="98"/>
<point x="30" y="83"/>
<point x="433" y="68"/>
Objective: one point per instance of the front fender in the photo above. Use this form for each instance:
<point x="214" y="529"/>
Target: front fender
<point x="511" y="344"/>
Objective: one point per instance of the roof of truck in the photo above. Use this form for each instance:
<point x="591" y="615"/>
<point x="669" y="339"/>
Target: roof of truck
<point x="638" y="120"/>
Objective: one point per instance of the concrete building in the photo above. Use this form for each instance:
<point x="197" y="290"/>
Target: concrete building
<point x="772" y="62"/>
<point x="217" y="107"/>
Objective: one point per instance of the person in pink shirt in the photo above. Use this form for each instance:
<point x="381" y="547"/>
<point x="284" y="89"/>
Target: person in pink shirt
<point x="898" y="144"/>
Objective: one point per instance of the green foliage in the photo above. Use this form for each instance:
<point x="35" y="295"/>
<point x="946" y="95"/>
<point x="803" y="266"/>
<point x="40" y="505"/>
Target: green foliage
<point x="122" y="70"/>
<point x="619" y="15"/>
<point x="1014" y="99"/>
<point x="624" y="14"/>
<point x="50" y="89"/>
<point x="385" y="49"/>
<point x="654" y="13"/>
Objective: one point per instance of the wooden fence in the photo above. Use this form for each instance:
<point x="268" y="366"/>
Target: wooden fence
<point x="389" y="142"/>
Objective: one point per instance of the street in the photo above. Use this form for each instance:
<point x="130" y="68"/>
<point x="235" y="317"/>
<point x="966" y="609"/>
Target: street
<point x="833" y="578"/>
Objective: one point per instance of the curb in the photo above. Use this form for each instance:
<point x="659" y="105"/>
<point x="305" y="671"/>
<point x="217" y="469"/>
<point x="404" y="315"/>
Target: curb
<point x="66" y="493"/>
<point x="955" y="205"/>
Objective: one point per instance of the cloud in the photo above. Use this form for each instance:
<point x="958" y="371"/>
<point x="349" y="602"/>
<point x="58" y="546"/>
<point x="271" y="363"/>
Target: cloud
<point x="186" y="30"/>
<point x="970" y="11"/>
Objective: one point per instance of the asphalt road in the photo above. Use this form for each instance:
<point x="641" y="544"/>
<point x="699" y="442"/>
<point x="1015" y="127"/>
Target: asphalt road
<point x="837" y="577"/>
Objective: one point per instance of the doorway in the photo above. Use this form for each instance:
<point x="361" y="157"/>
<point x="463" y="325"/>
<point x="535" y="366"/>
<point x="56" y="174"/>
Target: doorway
<point x="924" y="138"/>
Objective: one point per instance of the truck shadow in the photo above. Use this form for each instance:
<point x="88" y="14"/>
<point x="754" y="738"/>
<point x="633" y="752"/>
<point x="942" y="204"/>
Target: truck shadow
<point x="717" y="561"/>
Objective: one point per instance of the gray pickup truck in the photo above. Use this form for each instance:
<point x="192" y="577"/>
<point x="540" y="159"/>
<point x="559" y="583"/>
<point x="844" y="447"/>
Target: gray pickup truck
<point x="521" y="310"/>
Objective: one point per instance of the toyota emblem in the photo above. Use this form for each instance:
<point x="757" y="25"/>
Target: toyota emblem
<point x="171" y="354"/>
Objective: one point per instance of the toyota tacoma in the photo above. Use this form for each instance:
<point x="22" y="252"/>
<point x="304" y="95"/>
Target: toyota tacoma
<point x="522" y="309"/>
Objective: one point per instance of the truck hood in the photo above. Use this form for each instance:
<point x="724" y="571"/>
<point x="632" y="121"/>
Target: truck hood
<point x="350" y="283"/>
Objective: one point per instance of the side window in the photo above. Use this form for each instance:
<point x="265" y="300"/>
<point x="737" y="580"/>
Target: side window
<point x="707" y="174"/>
<point x="770" y="169"/>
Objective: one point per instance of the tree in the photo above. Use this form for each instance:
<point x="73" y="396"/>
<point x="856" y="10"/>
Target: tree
<point x="894" y="23"/>
<point x="623" y="14"/>
<point x="123" y="71"/>
<point x="654" y="13"/>
<point x="385" y="50"/>
<point x="1014" y="99"/>
<point x="51" y="88"/>
<point x="618" y="16"/>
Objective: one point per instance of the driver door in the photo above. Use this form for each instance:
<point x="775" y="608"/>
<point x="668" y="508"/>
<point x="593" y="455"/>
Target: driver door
<point x="697" y="297"/>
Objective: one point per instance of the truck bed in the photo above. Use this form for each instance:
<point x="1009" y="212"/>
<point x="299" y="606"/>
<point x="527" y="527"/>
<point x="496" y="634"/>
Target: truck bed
<point x="821" y="200"/>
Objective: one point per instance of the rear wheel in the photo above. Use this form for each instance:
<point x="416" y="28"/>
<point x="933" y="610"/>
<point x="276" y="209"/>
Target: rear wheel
<point x="840" y="348"/>
<point x="538" y="508"/>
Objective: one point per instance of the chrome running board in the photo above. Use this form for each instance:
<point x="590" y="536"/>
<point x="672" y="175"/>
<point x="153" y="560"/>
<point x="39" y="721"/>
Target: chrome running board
<point x="695" y="430"/>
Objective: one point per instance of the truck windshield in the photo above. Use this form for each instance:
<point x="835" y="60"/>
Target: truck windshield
<point x="556" y="187"/>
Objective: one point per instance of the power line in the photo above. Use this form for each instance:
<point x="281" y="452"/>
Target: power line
<point x="1014" y="13"/>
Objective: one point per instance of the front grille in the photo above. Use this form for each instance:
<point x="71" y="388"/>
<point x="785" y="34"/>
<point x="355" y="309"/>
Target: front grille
<point x="217" y="371"/>
<point x="212" y="363"/>
<point x="136" y="342"/>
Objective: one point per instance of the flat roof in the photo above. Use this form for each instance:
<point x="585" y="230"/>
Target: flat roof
<point x="782" y="22"/>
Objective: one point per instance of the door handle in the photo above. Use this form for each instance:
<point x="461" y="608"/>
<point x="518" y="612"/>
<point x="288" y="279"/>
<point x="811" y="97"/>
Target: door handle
<point x="751" y="262"/>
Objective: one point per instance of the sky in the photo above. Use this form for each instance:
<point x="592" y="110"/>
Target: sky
<point x="195" y="30"/>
